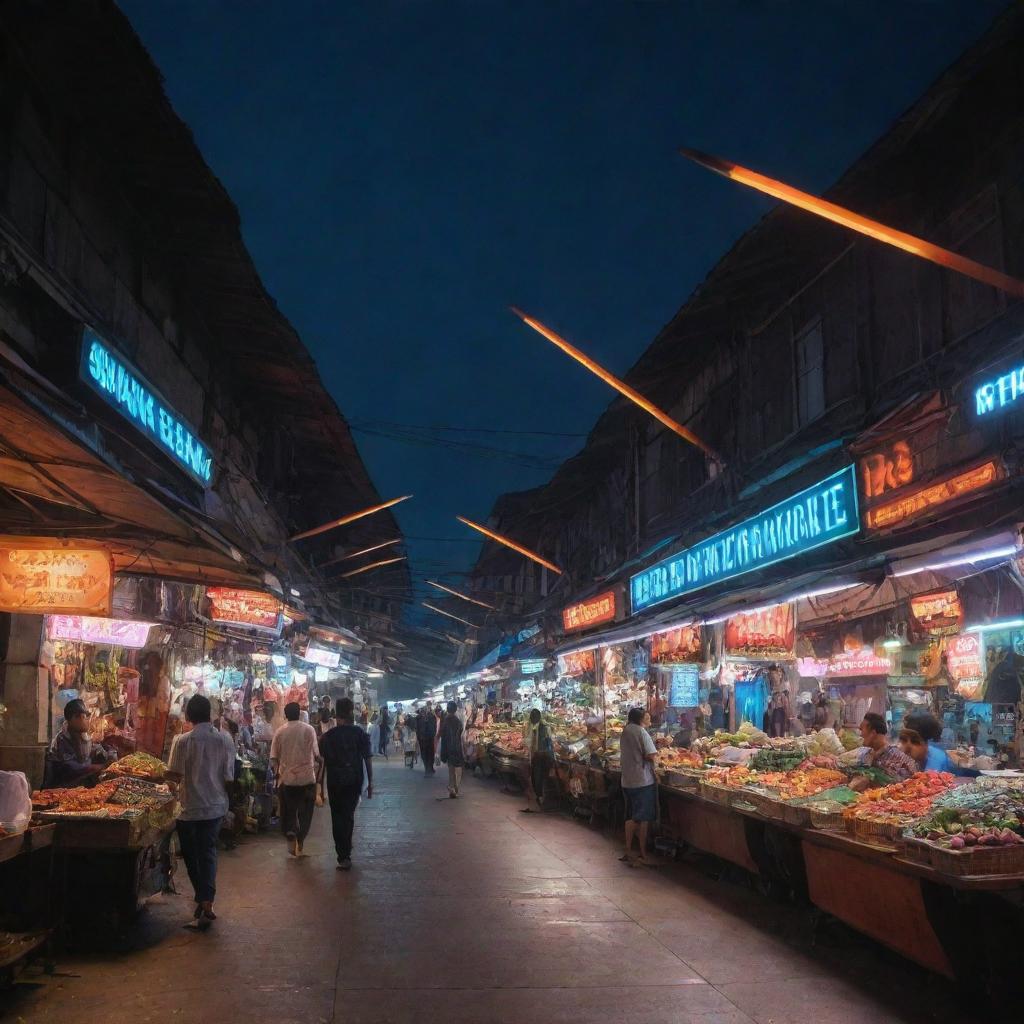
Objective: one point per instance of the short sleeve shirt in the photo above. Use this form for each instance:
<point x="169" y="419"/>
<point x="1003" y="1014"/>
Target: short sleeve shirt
<point x="635" y="744"/>
<point x="295" y="748"/>
<point x="205" y="760"/>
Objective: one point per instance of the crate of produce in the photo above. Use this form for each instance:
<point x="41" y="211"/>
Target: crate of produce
<point x="717" y="794"/>
<point x="970" y="860"/>
<point x="871" y="830"/>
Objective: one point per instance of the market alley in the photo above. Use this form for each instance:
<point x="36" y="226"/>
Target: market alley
<point x="469" y="910"/>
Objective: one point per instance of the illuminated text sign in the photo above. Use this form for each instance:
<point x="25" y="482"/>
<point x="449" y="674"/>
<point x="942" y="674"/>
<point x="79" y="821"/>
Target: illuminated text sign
<point x="995" y="395"/>
<point x="591" y="612"/>
<point x="123" y="387"/>
<point x="36" y="579"/>
<point x="900" y="510"/>
<point x="818" y="515"/>
<point x="84" y="628"/>
<point x="244" y="607"/>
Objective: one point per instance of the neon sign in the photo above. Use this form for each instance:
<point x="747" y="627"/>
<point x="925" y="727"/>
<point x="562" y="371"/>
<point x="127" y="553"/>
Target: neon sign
<point x="84" y="628"/>
<point x="899" y="511"/>
<point x="997" y="394"/>
<point x="591" y="612"/>
<point x="124" y="388"/>
<point x="818" y="515"/>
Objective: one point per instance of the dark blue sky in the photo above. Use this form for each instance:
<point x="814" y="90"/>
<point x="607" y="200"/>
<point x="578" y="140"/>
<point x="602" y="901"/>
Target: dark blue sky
<point x="404" y="171"/>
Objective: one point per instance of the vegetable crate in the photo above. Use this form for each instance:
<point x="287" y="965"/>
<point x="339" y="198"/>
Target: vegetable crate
<point x="975" y="860"/>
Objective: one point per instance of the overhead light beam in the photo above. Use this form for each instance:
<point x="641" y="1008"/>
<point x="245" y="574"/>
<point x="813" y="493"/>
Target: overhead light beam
<point x="526" y="552"/>
<point x="465" y="597"/>
<point x="441" y="611"/>
<point x="372" y="565"/>
<point x="351" y="518"/>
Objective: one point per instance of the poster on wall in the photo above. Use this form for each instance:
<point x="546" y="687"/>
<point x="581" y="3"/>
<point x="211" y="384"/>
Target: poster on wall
<point x="44" y="576"/>
<point x="684" y="686"/>
<point x="768" y="633"/>
<point x="965" y="662"/>
<point x="676" y="645"/>
<point x="937" y="614"/>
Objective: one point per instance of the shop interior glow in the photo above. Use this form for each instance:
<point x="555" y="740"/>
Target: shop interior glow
<point x="856" y="222"/>
<point x="803" y="596"/>
<point x="964" y="559"/>
<point x="621" y="386"/>
<point x="350" y="518"/>
<point x="526" y="552"/>
<point x="472" y="600"/>
<point x="441" y="611"/>
<point x="990" y="627"/>
<point x="363" y="551"/>
<point x="373" y="565"/>
<point x="92" y="630"/>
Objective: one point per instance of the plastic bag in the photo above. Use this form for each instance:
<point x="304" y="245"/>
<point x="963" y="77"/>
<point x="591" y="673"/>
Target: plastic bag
<point x="15" y="801"/>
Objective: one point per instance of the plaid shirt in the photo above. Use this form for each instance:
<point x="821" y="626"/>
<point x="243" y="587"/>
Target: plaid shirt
<point x="894" y="763"/>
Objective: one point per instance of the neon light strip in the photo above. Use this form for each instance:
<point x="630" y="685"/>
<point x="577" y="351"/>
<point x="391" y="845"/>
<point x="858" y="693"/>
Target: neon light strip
<point x="974" y="556"/>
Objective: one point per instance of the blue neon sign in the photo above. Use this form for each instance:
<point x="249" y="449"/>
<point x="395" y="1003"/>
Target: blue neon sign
<point x="995" y="395"/>
<point x="124" y="388"/>
<point x="818" y="515"/>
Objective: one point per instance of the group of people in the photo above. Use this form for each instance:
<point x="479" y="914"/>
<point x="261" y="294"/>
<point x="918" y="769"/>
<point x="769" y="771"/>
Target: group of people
<point x="307" y="761"/>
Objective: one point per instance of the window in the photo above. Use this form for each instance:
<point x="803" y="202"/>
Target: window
<point x="810" y="374"/>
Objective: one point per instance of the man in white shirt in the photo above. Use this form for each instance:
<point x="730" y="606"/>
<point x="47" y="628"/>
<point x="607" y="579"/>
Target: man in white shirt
<point x="637" y="755"/>
<point x="202" y="762"/>
<point x="295" y="758"/>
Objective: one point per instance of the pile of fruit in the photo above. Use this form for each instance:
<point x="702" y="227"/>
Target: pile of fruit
<point x="807" y="782"/>
<point x="74" y="799"/>
<point x="144" y="766"/>
<point x="902" y="802"/>
<point x="512" y="742"/>
<point x="976" y="815"/>
<point x="740" y="775"/>
<point x="678" y="757"/>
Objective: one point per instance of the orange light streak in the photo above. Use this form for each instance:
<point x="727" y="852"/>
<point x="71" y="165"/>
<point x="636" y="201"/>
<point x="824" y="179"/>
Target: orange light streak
<point x="441" y="611"/>
<point x="511" y="544"/>
<point x="351" y="518"/>
<point x="356" y="554"/>
<point x="471" y="600"/>
<point x="855" y="222"/>
<point x="621" y="386"/>
<point x="372" y="565"/>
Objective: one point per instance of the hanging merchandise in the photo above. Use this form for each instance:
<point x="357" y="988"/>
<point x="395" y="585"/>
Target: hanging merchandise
<point x="767" y="633"/>
<point x="937" y="614"/>
<point x="677" y="645"/>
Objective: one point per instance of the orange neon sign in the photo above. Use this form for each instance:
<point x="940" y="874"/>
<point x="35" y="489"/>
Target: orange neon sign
<point x="857" y="222"/>
<point x="895" y="513"/>
<point x="591" y="612"/>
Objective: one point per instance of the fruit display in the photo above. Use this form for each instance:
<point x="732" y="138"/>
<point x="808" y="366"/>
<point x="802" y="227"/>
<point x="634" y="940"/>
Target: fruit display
<point x="739" y="776"/>
<point x="975" y="815"/>
<point x="804" y="782"/>
<point x="76" y="798"/>
<point x="901" y="803"/>
<point x="142" y="765"/>
<point x="678" y="757"/>
<point x="123" y="797"/>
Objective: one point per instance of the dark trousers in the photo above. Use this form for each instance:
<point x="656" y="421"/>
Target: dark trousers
<point x="344" y="800"/>
<point x="297" y="804"/>
<point x="382" y="746"/>
<point x="198" y="841"/>
<point x="540" y="768"/>
<point x="427" y="753"/>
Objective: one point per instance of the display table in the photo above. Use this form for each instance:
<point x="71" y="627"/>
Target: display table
<point x="26" y="884"/>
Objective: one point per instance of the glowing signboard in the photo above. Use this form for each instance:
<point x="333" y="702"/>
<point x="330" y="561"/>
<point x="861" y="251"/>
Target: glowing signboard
<point x="47" y="577"/>
<point x="91" y="630"/>
<point x="995" y="395"/>
<point x="531" y="667"/>
<point x="244" y="607"/>
<point x="901" y="510"/>
<point x="323" y="656"/>
<point x="124" y="388"/>
<point x="939" y="613"/>
<point x="815" y="516"/>
<point x="684" y="686"/>
<point x="591" y="612"/>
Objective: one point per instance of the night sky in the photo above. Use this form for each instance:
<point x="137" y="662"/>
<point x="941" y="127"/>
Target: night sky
<point x="405" y="171"/>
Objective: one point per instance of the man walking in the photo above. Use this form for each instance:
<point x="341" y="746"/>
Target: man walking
<point x="346" y="753"/>
<point x="427" y="735"/>
<point x="385" y="731"/>
<point x="637" y="754"/>
<point x="451" y="749"/>
<point x="294" y="757"/>
<point x="201" y="765"/>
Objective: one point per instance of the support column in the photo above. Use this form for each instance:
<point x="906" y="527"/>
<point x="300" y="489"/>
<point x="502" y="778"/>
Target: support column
<point x="23" y="729"/>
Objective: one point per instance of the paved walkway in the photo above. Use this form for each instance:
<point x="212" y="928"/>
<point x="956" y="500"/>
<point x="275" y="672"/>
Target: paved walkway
<point x="468" y="911"/>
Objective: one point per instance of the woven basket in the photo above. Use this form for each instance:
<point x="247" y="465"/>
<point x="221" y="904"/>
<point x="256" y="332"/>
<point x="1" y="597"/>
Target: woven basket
<point x="975" y="860"/>
<point x="873" y="830"/>
<point x="717" y="794"/>
<point x="828" y="820"/>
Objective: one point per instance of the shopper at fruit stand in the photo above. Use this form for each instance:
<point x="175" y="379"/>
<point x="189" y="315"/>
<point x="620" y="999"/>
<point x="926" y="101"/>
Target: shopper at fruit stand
<point x="919" y="739"/>
<point x="346" y="752"/>
<point x="295" y="758"/>
<point x="201" y="765"/>
<point x="637" y="754"/>
<point x="451" y="749"/>
<point x="73" y="759"/>
<point x="541" y="750"/>
<point x="880" y="753"/>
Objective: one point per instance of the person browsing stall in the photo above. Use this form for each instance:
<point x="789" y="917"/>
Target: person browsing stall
<point x="637" y="755"/>
<point x="919" y="739"/>
<point x="73" y="759"/>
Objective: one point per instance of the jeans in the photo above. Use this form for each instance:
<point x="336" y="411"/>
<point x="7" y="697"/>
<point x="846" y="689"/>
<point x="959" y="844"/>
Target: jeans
<point x="454" y="778"/>
<point x="344" y="800"/>
<point x="297" y="804"/>
<point x="198" y="841"/>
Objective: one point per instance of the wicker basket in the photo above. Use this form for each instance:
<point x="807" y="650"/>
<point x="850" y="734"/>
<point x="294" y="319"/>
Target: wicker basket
<point x="717" y="794"/>
<point x="975" y="860"/>
<point x="875" y="830"/>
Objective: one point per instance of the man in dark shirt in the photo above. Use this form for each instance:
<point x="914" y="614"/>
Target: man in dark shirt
<point x="73" y="759"/>
<point x="345" y="750"/>
<point x="426" y="728"/>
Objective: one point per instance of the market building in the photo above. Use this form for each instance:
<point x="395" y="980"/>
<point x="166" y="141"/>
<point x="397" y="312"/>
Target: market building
<point x="164" y="433"/>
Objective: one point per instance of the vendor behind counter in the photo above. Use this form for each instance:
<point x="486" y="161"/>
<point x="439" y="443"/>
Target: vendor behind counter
<point x="73" y="759"/>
